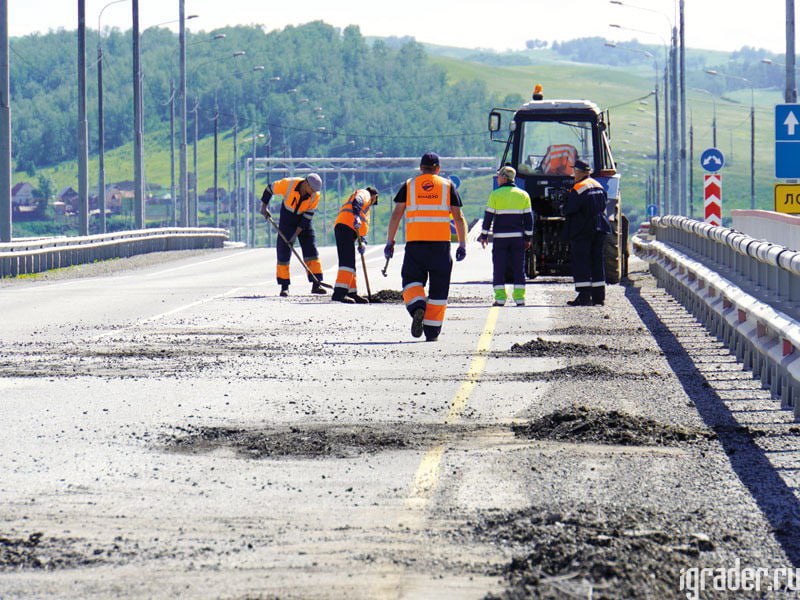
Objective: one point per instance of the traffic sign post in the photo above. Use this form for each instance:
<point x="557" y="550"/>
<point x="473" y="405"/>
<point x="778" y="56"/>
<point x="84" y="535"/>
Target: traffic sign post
<point x="787" y="141"/>
<point x="712" y="193"/>
<point x="652" y="210"/>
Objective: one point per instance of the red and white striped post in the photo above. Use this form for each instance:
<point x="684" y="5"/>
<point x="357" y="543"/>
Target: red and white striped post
<point x="712" y="194"/>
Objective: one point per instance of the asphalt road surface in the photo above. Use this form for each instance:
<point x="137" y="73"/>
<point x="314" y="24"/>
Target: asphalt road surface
<point x="171" y="428"/>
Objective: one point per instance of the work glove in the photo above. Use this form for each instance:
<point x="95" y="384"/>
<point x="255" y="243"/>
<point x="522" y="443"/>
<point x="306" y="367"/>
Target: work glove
<point x="265" y="211"/>
<point x="294" y="237"/>
<point x="483" y="239"/>
<point x="388" y="250"/>
<point x="361" y="248"/>
<point x="461" y="253"/>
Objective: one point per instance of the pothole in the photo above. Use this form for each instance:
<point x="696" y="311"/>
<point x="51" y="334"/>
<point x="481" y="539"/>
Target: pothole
<point x="584" y="371"/>
<point x="316" y="441"/>
<point x="593" y="551"/>
<point x="40" y="552"/>
<point x="588" y="425"/>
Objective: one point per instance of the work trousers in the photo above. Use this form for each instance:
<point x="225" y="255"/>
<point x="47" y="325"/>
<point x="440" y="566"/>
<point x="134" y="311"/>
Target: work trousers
<point x="424" y="261"/>
<point x="588" y="263"/>
<point x="345" y="248"/>
<point x="508" y="257"/>
<point x="289" y="222"/>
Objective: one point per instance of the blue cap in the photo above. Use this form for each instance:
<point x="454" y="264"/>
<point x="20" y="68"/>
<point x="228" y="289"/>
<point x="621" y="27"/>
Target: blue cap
<point x="582" y="166"/>
<point x="429" y="159"/>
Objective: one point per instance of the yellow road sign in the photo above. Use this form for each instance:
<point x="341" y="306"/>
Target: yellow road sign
<point x="787" y="198"/>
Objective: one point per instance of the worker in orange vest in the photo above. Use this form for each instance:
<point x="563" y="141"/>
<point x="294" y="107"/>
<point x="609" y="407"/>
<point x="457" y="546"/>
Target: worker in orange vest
<point x="428" y="202"/>
<point x="351" y="225"/>
<point x="300" y="200"/>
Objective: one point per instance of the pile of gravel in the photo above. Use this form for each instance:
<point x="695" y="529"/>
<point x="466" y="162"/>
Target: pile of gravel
<point x="582" y="424"/>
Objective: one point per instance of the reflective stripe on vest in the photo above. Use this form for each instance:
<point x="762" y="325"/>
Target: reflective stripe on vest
<point x="291" y="197"/>
<point x="347" y="217"/>
<point x="428" y="209"/>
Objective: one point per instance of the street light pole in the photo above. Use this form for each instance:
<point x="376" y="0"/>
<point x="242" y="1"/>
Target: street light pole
<point x="138" y="188"/>
<point x="714" y="115"/>
<point x="83" y="125"/>
<point x="195" y="201"/>
<point x="182" y="107"/>
<point x="216" y="165"/>
<point x="5" y="129"/>
<point x="101" y="144"/>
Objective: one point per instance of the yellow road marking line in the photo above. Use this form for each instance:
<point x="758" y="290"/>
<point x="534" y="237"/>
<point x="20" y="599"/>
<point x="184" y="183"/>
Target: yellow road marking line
<point x="428" y="471"/>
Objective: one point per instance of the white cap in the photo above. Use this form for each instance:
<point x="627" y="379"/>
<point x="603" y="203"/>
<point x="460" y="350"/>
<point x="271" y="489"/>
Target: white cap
<point x="314" y="181"/>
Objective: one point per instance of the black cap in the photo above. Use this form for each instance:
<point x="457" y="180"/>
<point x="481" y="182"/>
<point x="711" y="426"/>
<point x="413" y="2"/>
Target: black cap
<point x="429" y="159"/>
<point x="582" y="166"/>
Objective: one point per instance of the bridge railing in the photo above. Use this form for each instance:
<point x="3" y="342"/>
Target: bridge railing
<point x="744" y="290"/>
<point x="34" y="255"/>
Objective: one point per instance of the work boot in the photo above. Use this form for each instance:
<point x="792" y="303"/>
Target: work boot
<point x="583" y="298"/>
<point x="416" y="322"/>
<point x="316" y="288"/>
<point x="342" y="299"/>
<point x="357" y="299"/>
<point x="599" y="295"/>
<point x="431" y="338"/>
<point x="284" y="291"/>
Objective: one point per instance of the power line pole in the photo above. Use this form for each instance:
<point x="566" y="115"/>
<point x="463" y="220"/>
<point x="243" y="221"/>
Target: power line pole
<point x="5" y="129"/>
<point x="684" y="169"/>
<point x="182" y="107"/>
<point x="675" y="170"/>
<point x="83" y="126"/>
<point x="138" y="186"/>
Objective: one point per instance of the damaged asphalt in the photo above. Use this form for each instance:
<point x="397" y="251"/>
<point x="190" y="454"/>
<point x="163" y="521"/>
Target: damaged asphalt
<point x="172" y="429"/>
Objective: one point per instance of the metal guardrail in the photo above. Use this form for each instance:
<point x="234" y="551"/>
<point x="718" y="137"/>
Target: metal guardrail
<point x="34" y="255"/>
<point x="745" y="291"/>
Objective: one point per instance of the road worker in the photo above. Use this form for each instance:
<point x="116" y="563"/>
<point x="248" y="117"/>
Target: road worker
<point x="351" y="226"/>
<point x="428" y="201"/>
<point x="300" y="200"/>
<point x="508" y="213"/>
<point x="586" y="228"/>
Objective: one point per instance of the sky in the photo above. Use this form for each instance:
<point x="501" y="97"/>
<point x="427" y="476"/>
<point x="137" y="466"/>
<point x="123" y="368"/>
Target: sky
<point x="709" y="24"/>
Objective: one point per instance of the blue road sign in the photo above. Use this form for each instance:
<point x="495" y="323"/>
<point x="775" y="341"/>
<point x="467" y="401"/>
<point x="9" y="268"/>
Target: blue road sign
<point x="712" y="160"/>
<point x="787" y="141"/>
<point x="456" y="180"/>
<point x="652" y="210"/>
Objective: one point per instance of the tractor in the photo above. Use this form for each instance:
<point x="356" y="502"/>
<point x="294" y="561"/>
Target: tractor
<point x="543" y="138"/>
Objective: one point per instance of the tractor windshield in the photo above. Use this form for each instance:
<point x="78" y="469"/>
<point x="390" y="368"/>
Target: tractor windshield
<point x="551" y="147"/>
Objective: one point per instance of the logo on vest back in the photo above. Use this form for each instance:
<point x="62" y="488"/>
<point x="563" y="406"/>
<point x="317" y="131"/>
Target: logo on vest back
<point x="427" y="186"/>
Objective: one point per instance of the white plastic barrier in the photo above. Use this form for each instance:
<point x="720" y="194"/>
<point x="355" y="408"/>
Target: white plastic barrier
<point x="778" y="228"/>
<point x="34" y="255"/>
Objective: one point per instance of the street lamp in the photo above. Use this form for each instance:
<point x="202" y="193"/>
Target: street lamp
<point x="101" y="176"/>
<point x="679" y="70"/>
<point x="671" y="167"/>
<point x="658" y="126"/>
<point x="714" y="73"/>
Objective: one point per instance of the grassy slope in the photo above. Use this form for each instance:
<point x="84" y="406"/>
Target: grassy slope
<point x="632" y="129"/>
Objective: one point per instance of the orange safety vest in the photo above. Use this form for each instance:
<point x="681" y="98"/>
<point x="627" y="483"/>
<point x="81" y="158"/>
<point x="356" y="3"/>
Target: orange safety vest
<point x="428" y="209"/>
<point x="291" y="197"/>
<point x="559" y="159"/>
<point x="347" y="216"/>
